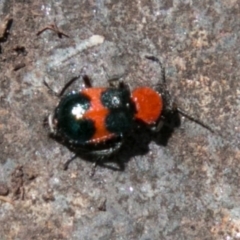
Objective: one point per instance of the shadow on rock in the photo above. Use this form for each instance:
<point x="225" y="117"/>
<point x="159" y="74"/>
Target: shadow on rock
<point x="134" y="144"/>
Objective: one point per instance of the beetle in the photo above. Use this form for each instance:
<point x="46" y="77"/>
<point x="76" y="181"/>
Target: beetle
<point x="96" y="120"/>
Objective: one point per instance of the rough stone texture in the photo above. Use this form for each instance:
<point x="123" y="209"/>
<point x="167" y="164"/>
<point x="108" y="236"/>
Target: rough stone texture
<point x="185" y="189"/>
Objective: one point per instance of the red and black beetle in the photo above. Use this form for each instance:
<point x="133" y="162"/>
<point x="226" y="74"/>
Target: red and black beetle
<point x="95" y="120"/>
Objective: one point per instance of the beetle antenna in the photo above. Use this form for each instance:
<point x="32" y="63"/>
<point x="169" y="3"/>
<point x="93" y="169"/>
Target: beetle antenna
<point x="193" y="119"/>
<point x="174" y="106"/>
<point x="86" y="84"/>
<point x="68" y="84"/>
<point x="50" y="89"/>
<point x="163" y="76"/>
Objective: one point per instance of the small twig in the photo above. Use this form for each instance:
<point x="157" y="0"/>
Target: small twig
<point x="53" y="27"/>
<point x="5" y="26"/>
<point x="19" y="66"/>
<point x="36" y="14"/>
<point x="6" y="199"/>
<point x="102" y="206"/>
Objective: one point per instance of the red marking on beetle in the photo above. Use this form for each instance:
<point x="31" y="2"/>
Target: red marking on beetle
<point x="149" y="104"/>
<point x="97" y="113"/>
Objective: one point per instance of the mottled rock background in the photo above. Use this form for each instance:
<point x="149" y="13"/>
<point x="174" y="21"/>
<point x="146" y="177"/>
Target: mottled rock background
<point x="185" y="189"/>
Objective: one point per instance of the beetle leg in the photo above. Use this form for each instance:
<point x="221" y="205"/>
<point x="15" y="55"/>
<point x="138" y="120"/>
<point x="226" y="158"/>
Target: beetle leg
<point x="87" y="81"/>
<point x="66" y="164"/>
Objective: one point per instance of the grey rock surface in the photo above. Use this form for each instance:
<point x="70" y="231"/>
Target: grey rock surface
<point x="185" y="188"/>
